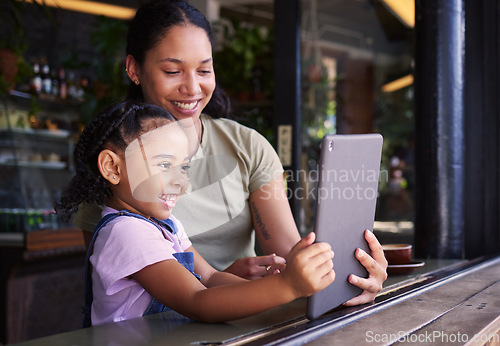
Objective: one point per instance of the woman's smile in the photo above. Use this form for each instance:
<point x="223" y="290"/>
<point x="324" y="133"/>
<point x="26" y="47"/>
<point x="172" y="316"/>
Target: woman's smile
<point x="186" y="105"/>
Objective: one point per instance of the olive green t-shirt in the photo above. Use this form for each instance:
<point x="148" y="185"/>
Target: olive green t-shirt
<point x="231" y="162"/>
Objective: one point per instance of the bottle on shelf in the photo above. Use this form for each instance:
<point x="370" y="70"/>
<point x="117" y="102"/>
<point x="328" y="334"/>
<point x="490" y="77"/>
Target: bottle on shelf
<point x="82" y="86"/>
<point x="63" y="85"/>
<point x="72" y="87"/>
<point x="36" y="83"/>
<point x="55" y="83"/>
<point x="46" y="81"/>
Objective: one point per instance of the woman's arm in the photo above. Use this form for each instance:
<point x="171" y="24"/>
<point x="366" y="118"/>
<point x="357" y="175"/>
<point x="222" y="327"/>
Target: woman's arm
<point x="272" y="217"/>
<point x="275" y="230"/>
<point x="309" y="270"/>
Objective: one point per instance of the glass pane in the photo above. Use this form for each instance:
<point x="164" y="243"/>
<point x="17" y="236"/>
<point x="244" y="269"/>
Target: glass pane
<point x="350" y="50"/>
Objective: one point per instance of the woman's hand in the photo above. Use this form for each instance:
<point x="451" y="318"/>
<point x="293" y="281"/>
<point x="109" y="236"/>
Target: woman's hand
<point x="256" y="267"/>
<point x="376" y="265"/>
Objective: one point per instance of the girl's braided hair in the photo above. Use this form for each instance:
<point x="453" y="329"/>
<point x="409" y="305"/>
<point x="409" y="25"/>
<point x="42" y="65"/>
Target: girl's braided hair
<point x="114" y="129"/>
<point x="150" y="24"/>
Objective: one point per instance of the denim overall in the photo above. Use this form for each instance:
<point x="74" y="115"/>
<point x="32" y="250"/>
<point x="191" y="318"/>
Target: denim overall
<point x="184" y="258"/>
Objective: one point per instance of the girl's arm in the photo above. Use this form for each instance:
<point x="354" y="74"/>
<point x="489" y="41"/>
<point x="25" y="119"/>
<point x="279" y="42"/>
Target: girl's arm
<point x="276" y="232"/>
<point x="309" y="269"/>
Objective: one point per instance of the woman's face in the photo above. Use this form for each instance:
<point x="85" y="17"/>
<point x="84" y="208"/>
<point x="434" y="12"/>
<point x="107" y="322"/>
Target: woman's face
<point x="178" y="73"/>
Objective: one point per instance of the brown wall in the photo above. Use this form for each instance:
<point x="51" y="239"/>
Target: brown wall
<point x="356" y="100"/>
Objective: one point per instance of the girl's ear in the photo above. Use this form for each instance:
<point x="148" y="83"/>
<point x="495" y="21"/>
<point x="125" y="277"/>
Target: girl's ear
<point x="132" y="68"/>
<point x="109" y="165"/>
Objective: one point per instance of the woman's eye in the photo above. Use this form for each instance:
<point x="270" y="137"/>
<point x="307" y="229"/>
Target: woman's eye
<point x="171" y="72"/>
<point x="205" y="71"/>
<point x="185" y="168"/>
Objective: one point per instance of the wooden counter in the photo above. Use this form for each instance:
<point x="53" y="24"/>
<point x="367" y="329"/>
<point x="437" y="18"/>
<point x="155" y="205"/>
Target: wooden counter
<point x="462" y="300"/>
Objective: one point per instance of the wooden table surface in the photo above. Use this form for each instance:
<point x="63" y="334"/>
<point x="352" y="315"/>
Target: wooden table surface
<point x="422" y="309"/>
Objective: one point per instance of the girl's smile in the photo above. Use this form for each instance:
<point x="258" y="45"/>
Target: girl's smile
<point x="169" y="200"/>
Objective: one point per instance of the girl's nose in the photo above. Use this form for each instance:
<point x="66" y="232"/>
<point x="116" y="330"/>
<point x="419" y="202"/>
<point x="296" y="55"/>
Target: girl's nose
<point x="176" y="177"/>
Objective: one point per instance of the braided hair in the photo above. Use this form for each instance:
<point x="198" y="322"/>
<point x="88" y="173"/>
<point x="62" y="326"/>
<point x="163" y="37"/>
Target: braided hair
<point x="114" y="129"/>
<point x="150" y="24"/>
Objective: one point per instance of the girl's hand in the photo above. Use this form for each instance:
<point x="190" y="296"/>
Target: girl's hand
<point x="309" y="266"/>
<point x="376" y="265"/>
<point x="256" y="267"/>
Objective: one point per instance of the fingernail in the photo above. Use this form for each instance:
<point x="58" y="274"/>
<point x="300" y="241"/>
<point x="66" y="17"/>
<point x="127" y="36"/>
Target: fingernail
<point x="277" y="271"/>
<point x="353" y="279"/>
<point x="361" y="253"/>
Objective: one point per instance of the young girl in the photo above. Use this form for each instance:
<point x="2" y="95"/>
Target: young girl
<point x="134" y="159"/>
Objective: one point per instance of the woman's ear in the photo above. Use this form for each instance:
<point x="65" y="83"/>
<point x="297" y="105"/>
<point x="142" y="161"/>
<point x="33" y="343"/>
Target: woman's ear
<point x="110" y="166"/>
<point x="132" y="68"/>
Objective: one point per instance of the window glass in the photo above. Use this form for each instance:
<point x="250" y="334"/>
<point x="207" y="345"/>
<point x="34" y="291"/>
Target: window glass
<point x="351" y="50"/>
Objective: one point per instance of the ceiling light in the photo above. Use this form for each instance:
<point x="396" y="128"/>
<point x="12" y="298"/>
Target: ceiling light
<point x="91" y="7"/>
<point x="398" y="84"/>
<point x="404" y="10"/>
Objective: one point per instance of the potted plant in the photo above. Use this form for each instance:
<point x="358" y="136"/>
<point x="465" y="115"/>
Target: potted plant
<point x="110" y="81"/>
<point x="243" y="61"/>
<point x="13" y="44"/>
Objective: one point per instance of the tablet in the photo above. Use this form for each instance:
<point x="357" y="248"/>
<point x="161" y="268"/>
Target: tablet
<point x="345" y="207"/>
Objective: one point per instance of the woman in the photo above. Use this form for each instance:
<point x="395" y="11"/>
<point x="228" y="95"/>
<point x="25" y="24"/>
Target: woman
<point x="236" y="180"/>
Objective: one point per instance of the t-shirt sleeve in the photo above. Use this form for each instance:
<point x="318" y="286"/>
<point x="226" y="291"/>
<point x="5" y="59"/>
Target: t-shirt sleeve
<point x="125" y="249"/>
<point x="266" y="165"/>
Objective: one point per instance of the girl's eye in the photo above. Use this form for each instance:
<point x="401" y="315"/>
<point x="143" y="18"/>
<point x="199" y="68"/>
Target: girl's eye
<point x="165" y="165"/>
<point x="205" y="71"/>
<point x="171" y="72"/>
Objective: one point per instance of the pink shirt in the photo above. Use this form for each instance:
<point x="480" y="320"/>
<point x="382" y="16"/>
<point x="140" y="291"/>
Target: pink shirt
<point x="123" y="247"/>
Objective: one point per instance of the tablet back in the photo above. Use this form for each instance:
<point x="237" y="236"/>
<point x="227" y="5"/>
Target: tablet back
<point x="345" y="208"/>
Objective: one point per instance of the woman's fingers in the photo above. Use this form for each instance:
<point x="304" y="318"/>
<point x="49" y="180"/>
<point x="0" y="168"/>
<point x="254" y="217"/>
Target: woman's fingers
<point x="376" y="249"/>
<point x="376" y="273"/>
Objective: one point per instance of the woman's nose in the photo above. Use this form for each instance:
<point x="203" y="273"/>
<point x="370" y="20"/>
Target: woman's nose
<point x="190" y="85"/>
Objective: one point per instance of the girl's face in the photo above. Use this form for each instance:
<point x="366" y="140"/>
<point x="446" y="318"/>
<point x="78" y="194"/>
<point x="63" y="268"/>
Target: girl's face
<point x="178" y="73"/>
<point x="156" y="170"/>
